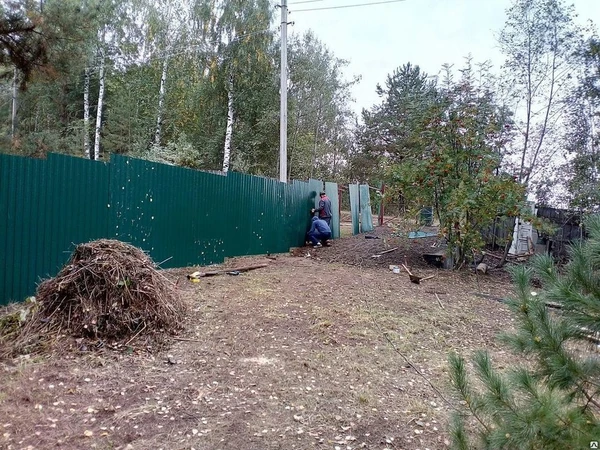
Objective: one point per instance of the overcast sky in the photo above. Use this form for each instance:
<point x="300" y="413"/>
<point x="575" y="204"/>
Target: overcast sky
<point x="378" y="38"/>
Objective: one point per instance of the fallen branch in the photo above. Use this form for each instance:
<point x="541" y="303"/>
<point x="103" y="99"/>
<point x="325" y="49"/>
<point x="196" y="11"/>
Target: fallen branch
<point x="439" y="301"/>
<point x="136" y="335"/>
<point x="508" y="257"/>
<point x="384" y="252"/>
<point x="186" y="339"/>
<point x="492" y="297"/>
<point x="554" y="305"/>
<point x="426" y="278"/>
<point x="492" y="255"/>
<point x="589" y="335"/>
<point x="224" y="271"/>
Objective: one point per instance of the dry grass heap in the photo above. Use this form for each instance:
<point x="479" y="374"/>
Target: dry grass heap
<point x="108" y="291"/>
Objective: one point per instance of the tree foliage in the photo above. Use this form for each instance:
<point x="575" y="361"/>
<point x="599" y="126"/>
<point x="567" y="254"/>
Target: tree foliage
<point x="319" y="115"/>
<point x="390" y="130"/>
<point x="582" y="135"/>
<point x="450" y="159"/>
<point x="551" y="403"/>
<point x="540" y="41"/>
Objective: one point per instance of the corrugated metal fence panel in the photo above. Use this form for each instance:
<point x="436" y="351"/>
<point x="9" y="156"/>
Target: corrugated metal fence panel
<point x="354" y="207"/>
<point x="331" y="189"/>
<point x="174" y="214"/>
<point x="76" y="199"/>
<point x="296" y="212"/>
<point x="185" y="217"/>
<point x="49" y="205"/>
<point x="366" y="217"/>
<point x="300" y="199"/>
<point x="4" y="218"/>
<point x="207" y="218"/>
<point x="246" y="207"/>
<point x="315" y="187"/>
<point x="81" y="193"/>
<point x="12" y="171"/>
<point x="179" y="216"/>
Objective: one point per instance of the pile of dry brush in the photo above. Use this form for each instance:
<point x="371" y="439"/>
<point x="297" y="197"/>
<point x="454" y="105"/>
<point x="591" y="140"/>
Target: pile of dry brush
<point x="108" y="291"/>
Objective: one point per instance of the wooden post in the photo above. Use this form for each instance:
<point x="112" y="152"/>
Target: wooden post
<point x="340" y="205"/>
<point x="381" y="205"/>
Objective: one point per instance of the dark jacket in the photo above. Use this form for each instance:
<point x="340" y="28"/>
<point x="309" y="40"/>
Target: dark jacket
<point x="319" y="226"/>
<point x="324" y="207"/>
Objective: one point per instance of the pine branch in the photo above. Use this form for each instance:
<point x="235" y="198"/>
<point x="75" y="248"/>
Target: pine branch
<point x="459" y="379"/>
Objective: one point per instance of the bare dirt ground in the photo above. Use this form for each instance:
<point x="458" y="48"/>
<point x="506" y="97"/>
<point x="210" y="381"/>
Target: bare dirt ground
<point x="307" y="353"/>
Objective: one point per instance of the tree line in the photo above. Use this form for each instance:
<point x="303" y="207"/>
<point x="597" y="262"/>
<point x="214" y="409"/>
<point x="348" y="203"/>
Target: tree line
<point x="192" y="82"/>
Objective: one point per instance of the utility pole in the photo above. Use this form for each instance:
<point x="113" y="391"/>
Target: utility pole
<point x="283" y="96"/>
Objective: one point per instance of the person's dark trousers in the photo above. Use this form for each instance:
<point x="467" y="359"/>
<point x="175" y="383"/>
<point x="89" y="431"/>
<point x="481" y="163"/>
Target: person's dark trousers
<point x="317" y="237"/>
<point x="328" y="220"/>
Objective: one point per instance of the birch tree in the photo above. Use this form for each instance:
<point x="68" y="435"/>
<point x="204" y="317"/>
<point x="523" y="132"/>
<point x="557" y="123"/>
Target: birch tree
<point x="100" y="105"/>
<point x="238" y="79"/>
<point x="244" y="36"/>
<point x="229" y="127"/>
<point x="539" y="41"/>
<point x="161" y="99"/>
<point x="90" y="46"/>
<point x="86" y="113"/>
<point x="116" y="46"/>
<point x="13" y="120"/>
<point x="191" y="86"/>
<point x="165" y="24"/>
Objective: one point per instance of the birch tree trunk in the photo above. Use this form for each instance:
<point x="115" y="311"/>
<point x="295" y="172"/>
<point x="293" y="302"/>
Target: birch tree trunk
<point x="161" y="100"/>
<point x="13" y="119"/>
<point x="229" y="129"/>
<point x="86" y="113"/>
<point x="100" y="105"/>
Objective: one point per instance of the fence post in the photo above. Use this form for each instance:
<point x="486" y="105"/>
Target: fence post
<point x="381" y="205"/>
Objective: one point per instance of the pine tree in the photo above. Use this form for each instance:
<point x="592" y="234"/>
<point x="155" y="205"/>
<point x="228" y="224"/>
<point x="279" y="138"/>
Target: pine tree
<point x="552" y="402"/>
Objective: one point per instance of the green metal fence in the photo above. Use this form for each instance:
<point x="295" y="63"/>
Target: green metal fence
<point x="180" y="216"/>
<point x="360" y="208"/>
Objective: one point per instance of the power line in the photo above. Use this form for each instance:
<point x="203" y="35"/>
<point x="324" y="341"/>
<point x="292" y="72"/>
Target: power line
<point x="347" y="6"/>
<point x="305" y="1"/>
